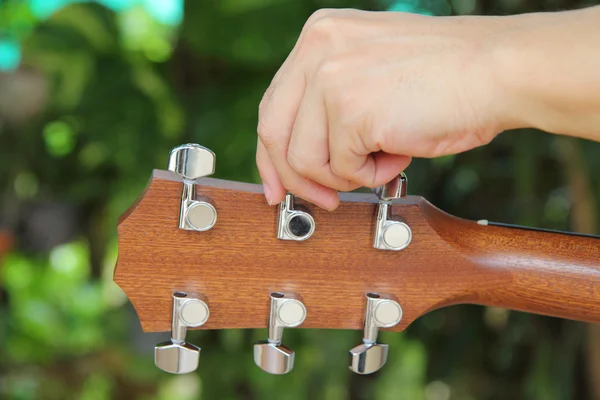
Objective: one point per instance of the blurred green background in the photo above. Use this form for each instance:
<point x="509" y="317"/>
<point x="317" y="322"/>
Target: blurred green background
<point x="93" y="95"/>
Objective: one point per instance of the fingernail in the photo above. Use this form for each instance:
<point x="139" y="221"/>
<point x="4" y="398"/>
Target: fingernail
<point x="267" y="194"/>
<point x="332" y="207"/>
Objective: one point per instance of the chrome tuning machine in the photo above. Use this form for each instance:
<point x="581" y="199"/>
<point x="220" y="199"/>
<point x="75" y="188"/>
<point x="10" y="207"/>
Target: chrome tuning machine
<point x="272" y="356"/>
<point x="177" y="356"/>
<point x="293" y="224"/>
<point x="390" y="233"/>
<point x="192" y="161"/>
<point x="381" y="312"/>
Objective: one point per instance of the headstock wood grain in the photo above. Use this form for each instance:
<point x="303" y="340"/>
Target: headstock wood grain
<point x="239" y="261"/>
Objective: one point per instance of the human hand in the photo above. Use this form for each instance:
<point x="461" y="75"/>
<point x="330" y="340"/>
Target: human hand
<point x="363" y="92"/>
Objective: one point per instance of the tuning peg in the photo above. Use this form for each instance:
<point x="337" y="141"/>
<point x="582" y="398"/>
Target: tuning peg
<point x="381" y="312"/>
<point x="391" y="234"/>
<point x="177" y="356"/>
<point x="192" y="161"/>
<point x="293" y="224"/>
<point x="287" y="311"/>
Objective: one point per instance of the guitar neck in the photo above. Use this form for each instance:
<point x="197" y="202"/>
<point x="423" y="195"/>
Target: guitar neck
<point x="202" y="253"/>
<point x="449" y="261"/>
<point x="550" y="273"/>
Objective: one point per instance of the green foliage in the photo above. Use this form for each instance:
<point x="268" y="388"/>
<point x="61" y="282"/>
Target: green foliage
<point x="103" y="99"/>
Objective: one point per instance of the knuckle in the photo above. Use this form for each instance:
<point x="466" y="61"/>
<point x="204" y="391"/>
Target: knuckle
<point x="369" y="181"/>
<point x="320" y="28"/>
<point x="339" y="170"/>
<point x="366" y="181"/>
<point x="319" y="15"/>
<point x="330" y="69"/>
<point x="297" y="163"/>
<point x="264" y="101"/>
<point x="262" y="104"/>
<point x="346" y="185"/>
<point x="378" y="139"/>
<point x="346" y="106"/>
<point x="265" y="134"/>
<point x="345" y="103"/>
<point x="290" y="187"/>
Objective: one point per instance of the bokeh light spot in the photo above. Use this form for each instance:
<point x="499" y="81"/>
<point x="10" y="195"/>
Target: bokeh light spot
<point x="26" y="185"/>
<point x="10" y="55"/>
<point x="17" y="273"/>
<point x="70" y="260"/>
<point x="437" y="390"/>
<point x="59" y="138"/>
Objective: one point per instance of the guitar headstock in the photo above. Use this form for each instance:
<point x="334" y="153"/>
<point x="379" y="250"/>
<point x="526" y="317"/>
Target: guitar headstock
<point x="219" y="242"/>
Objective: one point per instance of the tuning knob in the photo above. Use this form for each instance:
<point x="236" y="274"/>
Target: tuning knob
<point x="293" y="224"/>
<point x="287" y="311"/>
<point x="177" y="356"/>
<point x="192" y="161"/>
<point x="381" y="312"/>
<point x="391" y="234"/>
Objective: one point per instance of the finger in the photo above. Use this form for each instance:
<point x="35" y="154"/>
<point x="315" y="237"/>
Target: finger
<point x="388" y="167"/>
<point x="274" y="131"/>
<point x="305" y="188"/>
<point x="308" y="152"/>
<point x="285" y="67"/>
<point x="266" y="99"/>
<point x="354" y="159"/>
<point x="272" y="186"/>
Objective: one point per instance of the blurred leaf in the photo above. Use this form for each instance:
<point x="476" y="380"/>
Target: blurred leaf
<point x="17" y="273"/>
<point x="59" y="138"/>
<point x="97" y="387"/>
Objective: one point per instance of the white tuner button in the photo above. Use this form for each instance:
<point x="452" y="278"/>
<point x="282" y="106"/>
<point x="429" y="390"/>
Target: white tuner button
<point x="201" y="216"/>
<point x="387" y="313"/>
<point x="194" y="312"/>
<point x="397" y="235"/>
<point x="291" y="313"/>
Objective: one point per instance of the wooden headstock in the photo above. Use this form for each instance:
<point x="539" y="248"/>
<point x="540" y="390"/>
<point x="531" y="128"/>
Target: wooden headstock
<point x="238" y="262"/>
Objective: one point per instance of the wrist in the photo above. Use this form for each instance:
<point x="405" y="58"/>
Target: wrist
<point x="545" y="72"/>
<point x="515" y="68"/>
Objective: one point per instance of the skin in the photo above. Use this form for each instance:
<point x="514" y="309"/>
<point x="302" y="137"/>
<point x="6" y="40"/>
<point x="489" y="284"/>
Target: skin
<point x="363" y="92"/>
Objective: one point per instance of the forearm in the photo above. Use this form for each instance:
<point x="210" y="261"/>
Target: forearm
<point x="550" y="65"/>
